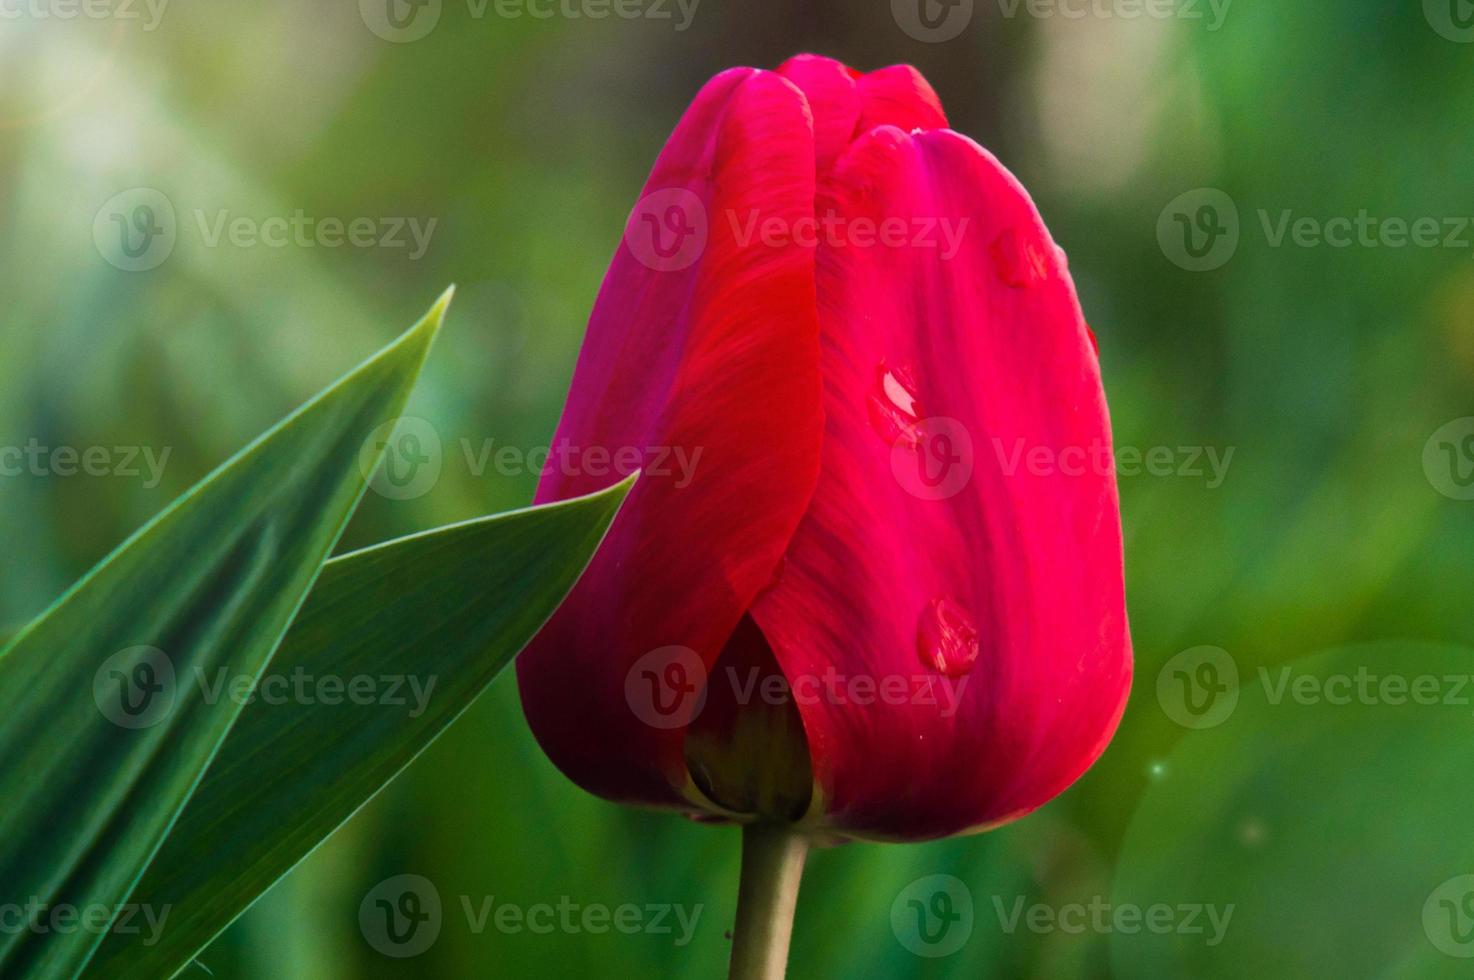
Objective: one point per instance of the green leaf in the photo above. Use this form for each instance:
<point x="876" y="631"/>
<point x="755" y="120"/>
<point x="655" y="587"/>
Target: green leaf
<point x="438" y="615"/>
<point x="103" y="732"/>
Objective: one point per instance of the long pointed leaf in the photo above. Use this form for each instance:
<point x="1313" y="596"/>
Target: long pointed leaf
<point x="103" y="735"/>
<point x="427" y="622"/>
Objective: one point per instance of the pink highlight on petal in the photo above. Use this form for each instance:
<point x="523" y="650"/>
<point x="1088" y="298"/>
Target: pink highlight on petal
<point x="894" y="407"/>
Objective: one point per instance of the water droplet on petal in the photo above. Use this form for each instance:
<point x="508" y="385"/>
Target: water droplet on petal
<point x="1021" y="258"/>
<point x="894" y="408"/>
<point x="946" y="638"/>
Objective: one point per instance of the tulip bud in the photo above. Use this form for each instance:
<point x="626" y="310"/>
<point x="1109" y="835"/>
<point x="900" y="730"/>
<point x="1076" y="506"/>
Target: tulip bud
<point x="886" y="601"/>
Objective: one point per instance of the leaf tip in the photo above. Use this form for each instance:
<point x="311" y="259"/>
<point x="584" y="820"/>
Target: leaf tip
<point x="617" y="493"/>
<point x="415" y="342"/>
<point x="443" y="303"/>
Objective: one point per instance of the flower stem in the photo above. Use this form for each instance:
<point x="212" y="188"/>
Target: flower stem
<point x="772" y="865"/>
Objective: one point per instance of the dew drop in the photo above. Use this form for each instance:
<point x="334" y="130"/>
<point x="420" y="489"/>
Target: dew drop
<point x="894" y="407"/>
<point x="946" y="638"/>
<point x="1021" y="258"/>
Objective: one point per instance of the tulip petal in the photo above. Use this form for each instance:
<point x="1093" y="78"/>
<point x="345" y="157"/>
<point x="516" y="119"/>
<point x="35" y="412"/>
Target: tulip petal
<point x="834" y="101"/>
<point x="704" y="364"/>
<point x="846" y="104"/>
<point x="966" y="602"/>
<point x="898" y="96"/>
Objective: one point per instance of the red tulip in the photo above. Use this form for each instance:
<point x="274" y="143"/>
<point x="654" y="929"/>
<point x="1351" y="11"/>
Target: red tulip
<point x="870" y="581"/>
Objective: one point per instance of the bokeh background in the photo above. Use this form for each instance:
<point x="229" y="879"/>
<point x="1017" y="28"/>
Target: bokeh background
<point x="1324" y="370"/>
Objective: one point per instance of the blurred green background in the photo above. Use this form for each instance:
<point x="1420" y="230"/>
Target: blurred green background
<point x="1325" y="370"/>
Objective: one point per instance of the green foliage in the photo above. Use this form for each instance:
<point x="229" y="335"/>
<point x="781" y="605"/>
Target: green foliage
<point x="103" y="737"/>
<point x="115" y="704"/>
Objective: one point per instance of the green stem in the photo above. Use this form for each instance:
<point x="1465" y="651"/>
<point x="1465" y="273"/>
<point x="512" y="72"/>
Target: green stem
<point x="772" y="866"/>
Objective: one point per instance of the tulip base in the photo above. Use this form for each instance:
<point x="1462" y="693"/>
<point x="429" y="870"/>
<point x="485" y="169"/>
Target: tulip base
<point x="772" y="866"/>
